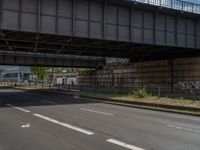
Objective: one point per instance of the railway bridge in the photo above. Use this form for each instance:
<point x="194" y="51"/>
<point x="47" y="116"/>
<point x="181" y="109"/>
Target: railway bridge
<point x="136" y="29"/>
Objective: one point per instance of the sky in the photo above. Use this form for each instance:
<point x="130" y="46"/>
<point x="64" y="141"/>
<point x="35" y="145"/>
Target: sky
<point x="194" y="1"/>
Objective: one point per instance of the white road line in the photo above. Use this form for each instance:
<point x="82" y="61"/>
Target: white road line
<point x="99" y="112"/>
<point x="183" y="128"/>
<point x="26" y="125"/>
<point x="64" y="124"/>
<point x="49" y="102"/>
<point x="123" y="144"/>
<point x="21" y="109"/>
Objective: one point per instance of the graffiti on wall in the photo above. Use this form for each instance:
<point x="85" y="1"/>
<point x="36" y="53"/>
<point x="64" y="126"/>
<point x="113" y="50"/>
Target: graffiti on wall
<point x="188" y="85"/>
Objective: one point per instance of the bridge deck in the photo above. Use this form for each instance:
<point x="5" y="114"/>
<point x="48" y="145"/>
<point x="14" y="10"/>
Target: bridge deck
<point x="113" y="28"/>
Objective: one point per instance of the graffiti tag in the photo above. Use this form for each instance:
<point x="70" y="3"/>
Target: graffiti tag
<point x="189" y="85"/>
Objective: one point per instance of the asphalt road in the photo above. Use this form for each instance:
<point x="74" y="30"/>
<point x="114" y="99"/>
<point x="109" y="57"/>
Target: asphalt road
<point x="31" y="121"/>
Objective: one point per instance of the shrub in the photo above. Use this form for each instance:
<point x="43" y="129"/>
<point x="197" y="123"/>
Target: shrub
<point x="181" y="98"/>
<point x="140" y="93"/>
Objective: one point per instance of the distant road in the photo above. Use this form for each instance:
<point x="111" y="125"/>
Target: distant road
<point x="31" y="121"/>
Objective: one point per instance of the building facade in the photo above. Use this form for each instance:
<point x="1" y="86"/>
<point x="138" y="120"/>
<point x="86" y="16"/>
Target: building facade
<point x="15" y="74"/>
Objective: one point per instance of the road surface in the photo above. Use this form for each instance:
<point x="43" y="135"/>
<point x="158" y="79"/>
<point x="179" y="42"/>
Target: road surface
<point x="30" y="121"/>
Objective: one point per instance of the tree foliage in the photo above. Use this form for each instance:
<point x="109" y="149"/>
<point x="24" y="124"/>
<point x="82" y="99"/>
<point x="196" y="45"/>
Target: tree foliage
<point x="59" y="70"/>
<point x="40" y="72"/>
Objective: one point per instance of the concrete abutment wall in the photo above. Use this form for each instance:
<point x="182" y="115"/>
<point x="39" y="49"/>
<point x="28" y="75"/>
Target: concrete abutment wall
<point x="178" y="75"/>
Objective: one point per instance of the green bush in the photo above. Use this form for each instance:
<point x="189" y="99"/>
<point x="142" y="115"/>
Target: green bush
<point x="140" y="93"/>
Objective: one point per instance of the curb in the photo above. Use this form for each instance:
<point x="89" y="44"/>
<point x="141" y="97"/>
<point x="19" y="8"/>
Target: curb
<point x="142" y="105"/>
<point x="182" y="108"/>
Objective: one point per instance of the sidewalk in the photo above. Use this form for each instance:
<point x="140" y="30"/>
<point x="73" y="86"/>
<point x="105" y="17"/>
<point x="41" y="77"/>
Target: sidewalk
<point x="188" y="107"/>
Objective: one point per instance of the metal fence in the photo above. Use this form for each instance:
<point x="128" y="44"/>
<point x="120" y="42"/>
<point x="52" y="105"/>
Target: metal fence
<point x="174" y="4"/>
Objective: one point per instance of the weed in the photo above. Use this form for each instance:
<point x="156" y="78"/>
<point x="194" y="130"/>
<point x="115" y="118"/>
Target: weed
<point x="140" y="93"/>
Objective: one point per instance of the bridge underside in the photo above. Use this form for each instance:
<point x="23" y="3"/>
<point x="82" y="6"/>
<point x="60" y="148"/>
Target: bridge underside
<point x="35" y="59"/>
<point x="14" y="41"/>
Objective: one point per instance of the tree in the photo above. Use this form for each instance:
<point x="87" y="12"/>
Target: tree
<point x="59" y="70"/>
<point x="41" y="73"/>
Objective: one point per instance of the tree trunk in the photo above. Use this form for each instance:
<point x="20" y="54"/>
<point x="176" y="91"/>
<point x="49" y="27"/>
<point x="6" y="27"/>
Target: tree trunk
<point x="51" y="78"/>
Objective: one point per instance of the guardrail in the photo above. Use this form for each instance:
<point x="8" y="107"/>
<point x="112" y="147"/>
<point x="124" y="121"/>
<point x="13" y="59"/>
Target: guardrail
<point x="174" y="4"/>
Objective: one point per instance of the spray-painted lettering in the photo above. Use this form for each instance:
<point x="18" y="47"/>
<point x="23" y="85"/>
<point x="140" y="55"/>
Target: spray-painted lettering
<point x="188" y="85"/>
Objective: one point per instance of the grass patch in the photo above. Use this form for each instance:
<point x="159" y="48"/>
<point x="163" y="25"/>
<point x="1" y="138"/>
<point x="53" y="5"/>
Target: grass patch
<point x="142" y="96"/>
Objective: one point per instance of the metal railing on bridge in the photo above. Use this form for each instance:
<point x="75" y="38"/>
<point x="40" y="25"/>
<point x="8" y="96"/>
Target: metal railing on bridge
<point x="174" y="4"/>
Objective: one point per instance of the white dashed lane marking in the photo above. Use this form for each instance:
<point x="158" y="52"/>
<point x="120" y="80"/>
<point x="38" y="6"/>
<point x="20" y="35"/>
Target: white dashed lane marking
<point x="122" y="144"/>
<point x="98" y="112"/>
<point x="64" y="124"/>
<point x="183" y="128"/>
<point x="18" y="108"/>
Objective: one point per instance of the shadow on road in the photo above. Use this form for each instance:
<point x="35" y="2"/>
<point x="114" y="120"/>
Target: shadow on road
<point x="29" y="98"/>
